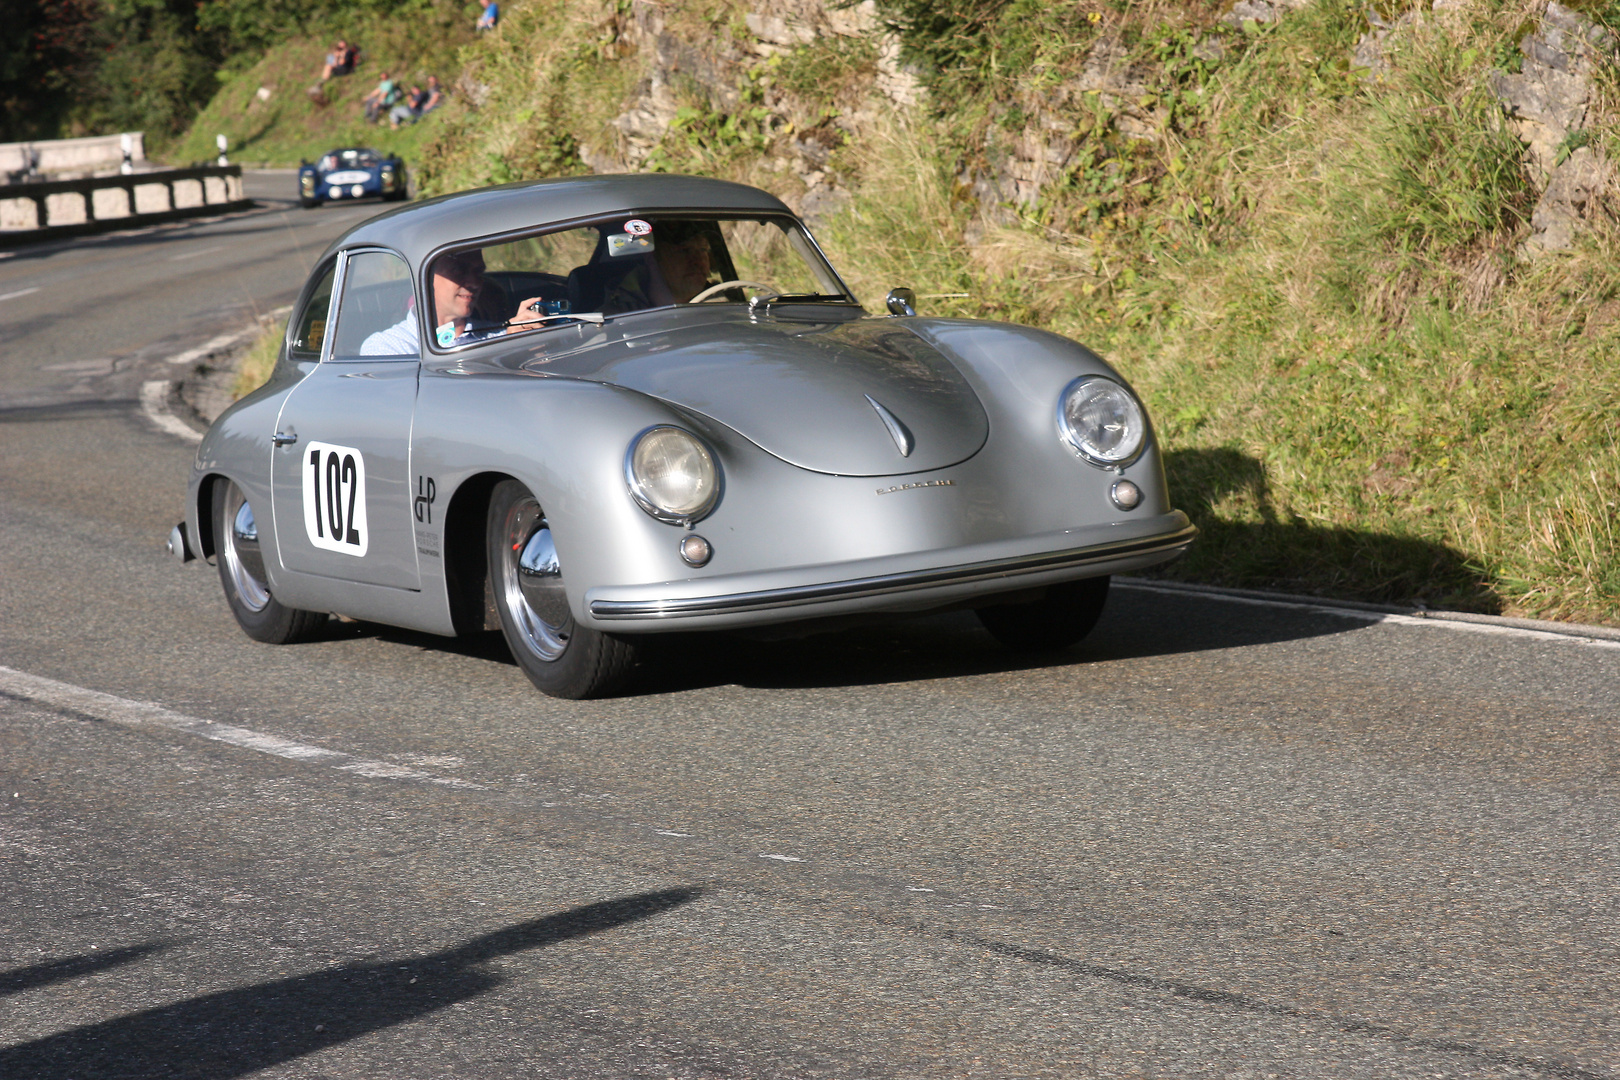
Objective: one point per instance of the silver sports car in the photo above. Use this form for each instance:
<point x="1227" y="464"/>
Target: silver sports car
<point x="584" y="411"/>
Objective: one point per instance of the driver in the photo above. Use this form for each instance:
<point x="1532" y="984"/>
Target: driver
<point x="678" y="270"/>
<point x="458" y="281"/>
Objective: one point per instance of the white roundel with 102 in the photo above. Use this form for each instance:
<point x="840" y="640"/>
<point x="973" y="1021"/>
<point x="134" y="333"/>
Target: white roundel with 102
<point x="335" y="498"/>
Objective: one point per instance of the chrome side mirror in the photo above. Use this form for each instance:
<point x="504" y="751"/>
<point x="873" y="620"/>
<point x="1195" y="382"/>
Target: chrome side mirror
<point x="901" y="302"/>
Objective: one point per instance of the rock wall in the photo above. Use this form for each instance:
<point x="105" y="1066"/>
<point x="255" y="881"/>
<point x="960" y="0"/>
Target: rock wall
<point x="1548" y="102"/>
<point x="720" y="66"/>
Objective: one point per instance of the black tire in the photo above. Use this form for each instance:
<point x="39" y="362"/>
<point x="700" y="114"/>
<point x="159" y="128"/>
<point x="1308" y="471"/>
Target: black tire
<point x="1057" y="620"/>
<point x="310" y="204"/>
<point x="558" y="655"/>
<point x="241" y="571"/>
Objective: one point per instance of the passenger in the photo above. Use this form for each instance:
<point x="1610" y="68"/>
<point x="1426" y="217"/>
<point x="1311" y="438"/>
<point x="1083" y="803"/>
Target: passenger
<point x="678" y="270"/>
<point x="458" y="281"/>
<point x="491" y="16"/>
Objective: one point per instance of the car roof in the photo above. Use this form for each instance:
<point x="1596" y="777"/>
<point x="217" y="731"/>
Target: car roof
<point x="418" y="229"/>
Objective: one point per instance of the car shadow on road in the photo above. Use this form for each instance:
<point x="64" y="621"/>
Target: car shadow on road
<point x="1244" y="540"/>
<point x="1135" y="623"/>
<point x="237" y="1032"/>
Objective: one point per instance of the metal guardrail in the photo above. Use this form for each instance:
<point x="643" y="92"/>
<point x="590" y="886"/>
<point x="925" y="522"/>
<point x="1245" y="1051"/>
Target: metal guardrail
<point x="39" y="193"/>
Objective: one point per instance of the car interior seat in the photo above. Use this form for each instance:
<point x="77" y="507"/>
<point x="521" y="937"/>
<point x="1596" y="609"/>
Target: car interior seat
<point x="588" y="285"/>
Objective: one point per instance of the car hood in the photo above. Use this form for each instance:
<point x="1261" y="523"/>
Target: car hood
<point x="861" y="398"/>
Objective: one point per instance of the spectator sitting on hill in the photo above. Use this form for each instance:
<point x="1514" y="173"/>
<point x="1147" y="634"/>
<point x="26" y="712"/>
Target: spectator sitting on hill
<point x="417" y="104"/>
<point x="340" y="61"/>
<point x="490" y="17"/>
<point x="409" y="109"/>
<point x="381" y="98"/>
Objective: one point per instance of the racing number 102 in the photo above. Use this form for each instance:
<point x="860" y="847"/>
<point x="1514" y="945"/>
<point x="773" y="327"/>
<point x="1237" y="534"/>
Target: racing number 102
<point x="335" y="498"/>
<point x="338" y="477"/>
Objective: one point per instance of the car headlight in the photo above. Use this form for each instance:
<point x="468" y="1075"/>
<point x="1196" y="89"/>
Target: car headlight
<point x="672" y="475"/>
<point x="306" y="183"/>
<point x="1102" y="421"/>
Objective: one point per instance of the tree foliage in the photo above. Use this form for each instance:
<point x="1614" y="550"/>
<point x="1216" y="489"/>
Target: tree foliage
<point x="45" y="55"/>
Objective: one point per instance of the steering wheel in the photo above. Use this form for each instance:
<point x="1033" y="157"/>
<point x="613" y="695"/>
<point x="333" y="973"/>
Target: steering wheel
<point x="713" y="290"/>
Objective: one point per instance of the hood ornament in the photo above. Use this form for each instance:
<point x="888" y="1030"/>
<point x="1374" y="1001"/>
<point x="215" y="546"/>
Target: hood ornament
<point x="901" y="435"/>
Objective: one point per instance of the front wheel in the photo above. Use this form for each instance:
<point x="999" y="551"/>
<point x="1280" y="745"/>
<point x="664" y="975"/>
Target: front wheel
<point x="558" y="655"/>
<point x="1057" y="620"/>
<point x="241" y="572"/>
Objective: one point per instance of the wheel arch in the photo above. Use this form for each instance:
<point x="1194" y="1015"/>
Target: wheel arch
<point x="206" y="545"/>
<point x="466" y="562"/>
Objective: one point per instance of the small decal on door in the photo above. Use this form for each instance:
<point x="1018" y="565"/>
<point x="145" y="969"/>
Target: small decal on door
<point x="335" y="498"/>
<point x="426" y="492"/>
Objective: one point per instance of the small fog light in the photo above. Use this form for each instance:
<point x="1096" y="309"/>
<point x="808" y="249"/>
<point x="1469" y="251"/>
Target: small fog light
<point x="696" y="550"/>
<point x="1126" y="495"/>
<point x="357" y="191"/>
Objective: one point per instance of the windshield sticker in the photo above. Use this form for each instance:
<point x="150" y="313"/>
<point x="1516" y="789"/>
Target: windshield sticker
<point x="637" y="227"/>
<point x="446" y="334"/>
<point x="625" y="244"/>
<point x="335" y="499"/>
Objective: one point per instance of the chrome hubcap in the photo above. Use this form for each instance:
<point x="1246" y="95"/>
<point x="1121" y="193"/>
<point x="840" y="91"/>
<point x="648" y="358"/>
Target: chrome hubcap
<point x="532" y="583"/>
<point x="239" y="547"/>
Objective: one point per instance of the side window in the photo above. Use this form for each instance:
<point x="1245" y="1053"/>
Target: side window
<point x="376" y="319"/>
<point x="309" y="328"/>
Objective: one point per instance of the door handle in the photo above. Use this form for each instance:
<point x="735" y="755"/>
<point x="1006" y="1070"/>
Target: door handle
<point x="280" y="439"/>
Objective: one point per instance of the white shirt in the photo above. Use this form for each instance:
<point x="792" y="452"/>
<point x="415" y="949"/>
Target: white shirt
<point x="398" y="340"/>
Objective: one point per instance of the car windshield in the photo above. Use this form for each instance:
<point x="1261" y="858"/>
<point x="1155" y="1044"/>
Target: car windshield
<point x="625" y="265"/>
<point x="351" y="159"/>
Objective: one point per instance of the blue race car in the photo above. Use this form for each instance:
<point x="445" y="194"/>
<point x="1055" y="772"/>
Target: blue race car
<point x="354" y="173"/>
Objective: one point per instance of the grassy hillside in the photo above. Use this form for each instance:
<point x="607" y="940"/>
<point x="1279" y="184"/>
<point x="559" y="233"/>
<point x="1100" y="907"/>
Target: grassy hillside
<point x="1316" y="278"/>
<point x="266" y="112"/>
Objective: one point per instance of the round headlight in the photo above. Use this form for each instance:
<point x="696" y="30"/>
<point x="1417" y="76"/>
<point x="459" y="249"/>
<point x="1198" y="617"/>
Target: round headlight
<point x="1102" y="421"/>
<point x="672" y="475"/>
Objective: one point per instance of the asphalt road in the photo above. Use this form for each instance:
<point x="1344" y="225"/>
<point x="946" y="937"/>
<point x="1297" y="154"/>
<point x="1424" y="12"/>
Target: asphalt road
<point x="1218" y="839"/>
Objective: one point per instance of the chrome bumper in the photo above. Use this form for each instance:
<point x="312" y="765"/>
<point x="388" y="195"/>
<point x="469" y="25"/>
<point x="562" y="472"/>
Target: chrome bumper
<point x="1013" y="571"/>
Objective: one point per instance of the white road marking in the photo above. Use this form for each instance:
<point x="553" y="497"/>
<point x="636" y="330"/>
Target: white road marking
<point x="917" y="888"/>
<point x="19" y="292"/>
<point x="666" y="832"/>
<point x="224" y="341"/>
<point x="100" y="366"/>
<point x="1328" y="608"/>
<point x="194" y="254"/>
<point x="781" y="858"/>
<point x="155" y="404"/>
<point x="117" y="710"/>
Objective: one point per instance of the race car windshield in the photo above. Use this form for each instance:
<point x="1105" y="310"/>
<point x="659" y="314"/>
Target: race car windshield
<point x="626" y="265"/>
<point x="350" y="159"/>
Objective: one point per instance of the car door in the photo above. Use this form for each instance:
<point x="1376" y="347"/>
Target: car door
<point x="341" y="468"/>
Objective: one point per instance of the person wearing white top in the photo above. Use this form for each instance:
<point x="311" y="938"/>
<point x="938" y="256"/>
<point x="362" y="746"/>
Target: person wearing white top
<point x="457" y="280"/>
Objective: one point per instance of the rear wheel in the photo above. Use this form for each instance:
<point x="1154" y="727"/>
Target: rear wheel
<point x="241" y="572"/>
<point x="558" y="655"/>
<point x="1057" y="620"/>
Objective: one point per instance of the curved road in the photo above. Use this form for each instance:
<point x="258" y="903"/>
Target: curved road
<point x="1219" y="839"/>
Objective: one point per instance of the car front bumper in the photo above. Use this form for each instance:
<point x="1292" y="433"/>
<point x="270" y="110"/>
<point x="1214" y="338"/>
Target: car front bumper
<point x="894" y="584"/>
